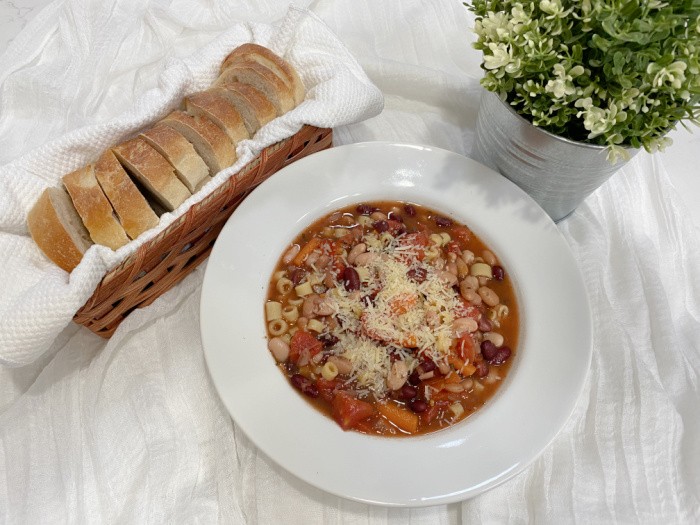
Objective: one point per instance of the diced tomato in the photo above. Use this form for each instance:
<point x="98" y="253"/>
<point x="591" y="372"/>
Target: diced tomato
<point x="464" y="309"/>
<point x="453" y="247"/>
<point x="429" y="415"/>
<point x="335" y="250"/>
<point x="301" y="341"/>
<point x="462" y="235"/>
<point x="408" y="340"/>
<point x="348" y="411"/>
<point x="326" y="388"/>
<point x="402" y="303"/>
<point x="465" y="348"/>
<point x="418" y="240"/>
<point x="396" y="227"/>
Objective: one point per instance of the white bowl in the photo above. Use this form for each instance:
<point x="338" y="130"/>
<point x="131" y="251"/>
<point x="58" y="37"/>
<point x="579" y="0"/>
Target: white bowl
<point x="487" y="448"/>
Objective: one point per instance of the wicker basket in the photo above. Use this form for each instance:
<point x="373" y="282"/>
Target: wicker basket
<point x="165" y="260"/>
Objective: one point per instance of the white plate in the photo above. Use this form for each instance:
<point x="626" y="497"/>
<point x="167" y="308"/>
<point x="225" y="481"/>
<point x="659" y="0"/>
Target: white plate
<point x="484" y="450"/>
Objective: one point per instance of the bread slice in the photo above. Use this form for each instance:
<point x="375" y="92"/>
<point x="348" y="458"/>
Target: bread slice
<point x="212" y="144"/>
<point x="189" y="167"/>
<point x="276" y="64"/>
<point x="57" y="229"/>
<point x="220" y="111"/>
<point x="261" y="78"/>
<point x="253" y="106"/>
<point x="94" y="208"/>
<point x="154" y="173"/>
<point x="131" y="207"/>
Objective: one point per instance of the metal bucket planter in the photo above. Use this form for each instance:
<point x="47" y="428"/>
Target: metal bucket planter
<point x="558" y="173"/>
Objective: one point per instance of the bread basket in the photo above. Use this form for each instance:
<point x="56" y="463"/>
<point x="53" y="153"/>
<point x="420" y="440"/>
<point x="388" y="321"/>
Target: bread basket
<point x="166" y="259"/>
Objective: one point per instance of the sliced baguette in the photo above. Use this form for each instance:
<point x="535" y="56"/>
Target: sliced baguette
<point x="57" y="229"/>
<point x="261" y="78"/>
<point x="276" y="64"/>
<point x="189" y="167"/>
<point x="220" y="111"/>
<point x="94" y="208"/>
<point x="154" y="173"/>
<point x="253" y="106"/>
<point x="135" y="215"/>
<point x="212" y="144"/>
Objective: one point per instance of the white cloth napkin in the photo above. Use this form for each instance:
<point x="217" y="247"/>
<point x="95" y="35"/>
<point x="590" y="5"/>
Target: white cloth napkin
<point x="39" y="299"/>
<point x="132" y="431"/>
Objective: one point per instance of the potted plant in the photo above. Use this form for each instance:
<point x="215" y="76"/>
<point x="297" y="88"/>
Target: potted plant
<point x="580" y="86"/>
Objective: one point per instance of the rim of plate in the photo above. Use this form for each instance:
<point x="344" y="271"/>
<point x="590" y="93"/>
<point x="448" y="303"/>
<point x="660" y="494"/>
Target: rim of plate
<point x="497" y="442"/>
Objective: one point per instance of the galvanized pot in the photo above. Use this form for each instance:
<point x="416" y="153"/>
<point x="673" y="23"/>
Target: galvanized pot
<point x="558" y="173"/>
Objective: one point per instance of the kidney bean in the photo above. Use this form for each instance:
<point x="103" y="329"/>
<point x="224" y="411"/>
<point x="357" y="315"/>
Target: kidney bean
<point x="380" y="226"/>
<point x="498" y="272"/>
<point x="370" y="299"/>
<point x="414" y="378"/>
<point x="305" y="385"/>
<point x="443" y="222"/>
<point x="408" y="392"/>
<point x="351" y="279"/>
<point x="482" y="369"/>
<point x="502" y="355"/>
<point x="409" y="210"/>
<point x="296" y="275"/>
<point x="485" y="324"/>
<point x="364" y="209"/>
<point x="427" y="365"/>
<point x="417" y="275"/>
<point x="488" y="350"/>
<point x="394" y="216"/>
<point x="418" y="405"/>
<point x="328" y="340"/>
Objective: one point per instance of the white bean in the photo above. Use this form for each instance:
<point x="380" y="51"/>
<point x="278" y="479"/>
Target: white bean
<point x="447" y="277"/>
<point x="356" y="250"/>
<point x="343" y="364"/>
<point x="489" y="257"/>
<point x="464" y="325"/>
<point x="489" y="296"/>
<point x="309" y="305"/>
<point x="279" y="349"/>
<point x="470" y="295"/>
<point x="291" y="253"/>
<point x="397" y="375"/>
<point x="495" y="338"/>
<point x="468" y="256"/>
<point x="365" y="259"/>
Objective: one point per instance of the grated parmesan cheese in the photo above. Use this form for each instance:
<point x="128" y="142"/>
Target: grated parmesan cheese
<point x="401" y="314"/>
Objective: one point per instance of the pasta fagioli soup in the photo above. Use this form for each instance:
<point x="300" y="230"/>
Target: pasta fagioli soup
<point x="391" y="318"/>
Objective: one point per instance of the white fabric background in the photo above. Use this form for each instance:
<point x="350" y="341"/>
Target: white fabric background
<point x="131" y="430"/>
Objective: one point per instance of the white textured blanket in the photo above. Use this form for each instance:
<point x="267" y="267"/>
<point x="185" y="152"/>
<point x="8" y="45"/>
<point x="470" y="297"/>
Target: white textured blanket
<point x="132" y="431"/>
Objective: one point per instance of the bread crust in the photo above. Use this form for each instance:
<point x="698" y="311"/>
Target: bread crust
<point x="220" y="111"/>
<point x="152" y="170"/>
<point x="248" y="71"/>
<point x="135" y="215"/>
<point x="94" y="208"/>
<point x="49" y="232"/>
<point x="275" y="63"/>
<point x="189" y="166"/>
<point x="212" y="144"/>
<point x="253" y="106"/>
